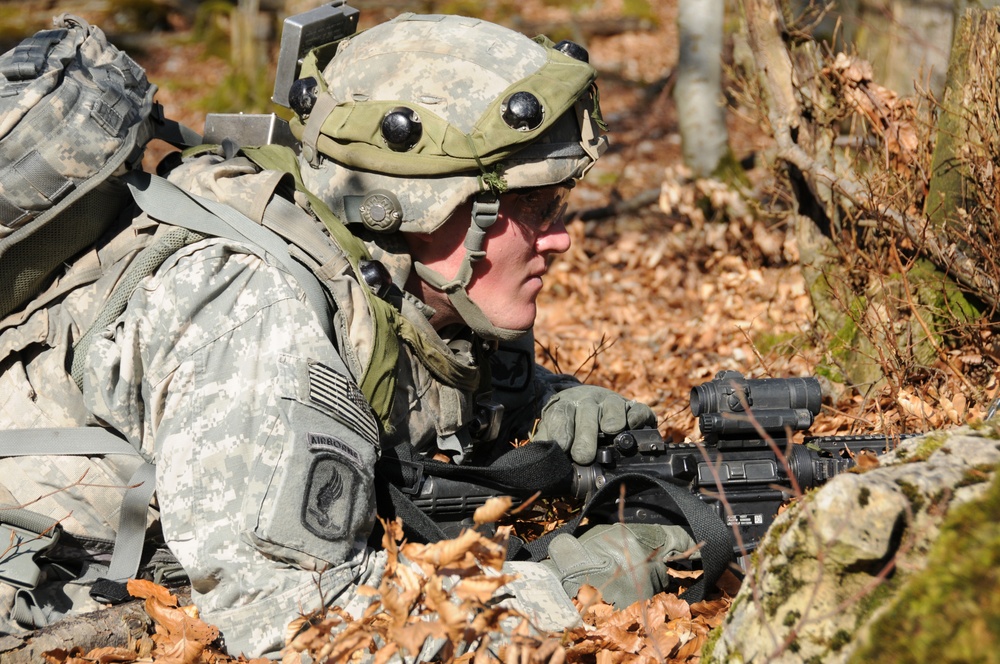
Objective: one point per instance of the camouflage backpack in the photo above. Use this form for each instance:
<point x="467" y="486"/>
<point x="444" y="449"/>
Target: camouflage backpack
<point x="74" y="111"/>
<point x="75" y="115"/>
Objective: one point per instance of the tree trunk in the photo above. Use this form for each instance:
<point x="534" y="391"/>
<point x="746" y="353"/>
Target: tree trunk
<point x="787" y="78"/>
<point x="698" y="92"/>
<point x="961" y="200"/>
<point x="906" y="41"/>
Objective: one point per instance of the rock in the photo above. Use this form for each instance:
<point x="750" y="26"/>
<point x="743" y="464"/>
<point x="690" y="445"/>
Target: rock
<point x="831" y="564"/>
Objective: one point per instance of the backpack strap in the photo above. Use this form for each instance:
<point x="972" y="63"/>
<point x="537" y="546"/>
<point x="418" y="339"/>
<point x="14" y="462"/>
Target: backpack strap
<point x="24" y="534"/>
<point x="164" y="201"/>
<point x="144" y="264"/>
<point x="131" y="533"/>
<point x="195" y="218"/>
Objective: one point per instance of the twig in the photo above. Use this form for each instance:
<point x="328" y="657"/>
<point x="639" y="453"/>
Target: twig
<point x="919" y="231"/>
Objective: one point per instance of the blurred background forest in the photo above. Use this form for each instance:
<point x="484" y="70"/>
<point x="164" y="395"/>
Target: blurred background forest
<point x="828" y="205"/>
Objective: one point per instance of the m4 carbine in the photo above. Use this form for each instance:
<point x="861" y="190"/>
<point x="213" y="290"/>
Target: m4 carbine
<point x="747" y="465"/>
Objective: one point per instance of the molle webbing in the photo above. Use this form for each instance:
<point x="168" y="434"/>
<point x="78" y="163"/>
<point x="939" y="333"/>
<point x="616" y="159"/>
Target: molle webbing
<point x="75" y="111"/>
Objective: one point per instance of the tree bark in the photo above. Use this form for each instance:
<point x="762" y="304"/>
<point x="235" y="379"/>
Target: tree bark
<point x="120" y="625"/>
<point x="961" y="199"/>
<point x="698" y="92"/>
<point x="787" y="84"/>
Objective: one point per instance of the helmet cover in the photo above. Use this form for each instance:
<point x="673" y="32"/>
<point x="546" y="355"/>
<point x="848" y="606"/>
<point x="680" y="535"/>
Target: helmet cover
<point x="446" y="86"/>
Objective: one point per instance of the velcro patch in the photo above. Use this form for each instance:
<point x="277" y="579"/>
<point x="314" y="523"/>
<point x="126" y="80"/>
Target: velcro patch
<point x="337" y="395"/>
<point x="511" y="369"/>
<point x="331" y="487"/>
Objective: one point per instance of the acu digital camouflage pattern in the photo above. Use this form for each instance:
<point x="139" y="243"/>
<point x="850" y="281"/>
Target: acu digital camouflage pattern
<point x="458" y="70"/>
<point x="72" y="112"/>
<point x="221" y="374"/>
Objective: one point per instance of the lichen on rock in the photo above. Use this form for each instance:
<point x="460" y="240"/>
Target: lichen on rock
<point x="830" y="566"/>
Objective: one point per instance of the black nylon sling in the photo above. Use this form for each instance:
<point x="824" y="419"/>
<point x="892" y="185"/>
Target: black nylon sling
<point x="544" y="467"/>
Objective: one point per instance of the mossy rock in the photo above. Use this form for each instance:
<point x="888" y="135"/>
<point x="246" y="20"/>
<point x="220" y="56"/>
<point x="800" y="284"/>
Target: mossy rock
<point x="949" y="612"/>
<point x="897" y="564"/>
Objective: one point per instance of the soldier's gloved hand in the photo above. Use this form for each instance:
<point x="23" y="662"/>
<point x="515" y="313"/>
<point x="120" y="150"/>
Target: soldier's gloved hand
<point x="623" y="561"/>
<point x="574" y="417"/>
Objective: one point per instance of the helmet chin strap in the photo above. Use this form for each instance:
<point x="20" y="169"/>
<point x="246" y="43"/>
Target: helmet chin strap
<point x="485" y="208"/>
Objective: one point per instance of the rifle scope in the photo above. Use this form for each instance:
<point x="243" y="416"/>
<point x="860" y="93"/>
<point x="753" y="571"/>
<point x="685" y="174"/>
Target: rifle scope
<point x="730" y="405"/>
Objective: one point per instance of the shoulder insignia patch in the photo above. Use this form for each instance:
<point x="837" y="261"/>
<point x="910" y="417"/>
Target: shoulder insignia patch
<point x="331" y="485"/>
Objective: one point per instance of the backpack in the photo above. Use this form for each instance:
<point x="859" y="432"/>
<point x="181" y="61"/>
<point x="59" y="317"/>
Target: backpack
<point x="75" y="115"/>
<point x="74" y="111"/>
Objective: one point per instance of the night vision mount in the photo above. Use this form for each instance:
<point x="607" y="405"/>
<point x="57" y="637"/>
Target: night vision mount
<point x="327" y="24"/>
<point x="301" y="33"/>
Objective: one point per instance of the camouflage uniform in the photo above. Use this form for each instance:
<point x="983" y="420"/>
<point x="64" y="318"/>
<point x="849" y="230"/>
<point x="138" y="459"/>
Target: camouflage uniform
<point x="222" y="375"/>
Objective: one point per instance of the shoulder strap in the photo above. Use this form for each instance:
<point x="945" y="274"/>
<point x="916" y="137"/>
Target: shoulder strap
<point x="195" y="218"/>
<point x="88" y="441"/>
<point x="707" y="527"/>
<point x="164" y="201"/>
<point x="378" y="382"/>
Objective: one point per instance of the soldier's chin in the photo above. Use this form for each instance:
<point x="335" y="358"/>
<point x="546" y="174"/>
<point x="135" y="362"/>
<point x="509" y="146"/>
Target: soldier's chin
<point x="513" y="330"/>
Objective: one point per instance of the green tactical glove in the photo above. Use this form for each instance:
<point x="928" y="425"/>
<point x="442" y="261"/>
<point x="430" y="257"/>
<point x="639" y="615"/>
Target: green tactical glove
<point x="623" y="561"/>
<point x="574" y="417"/>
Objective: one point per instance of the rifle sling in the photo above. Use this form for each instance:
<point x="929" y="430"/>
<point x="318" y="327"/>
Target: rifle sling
<point x="710" y="532"/>
<point x="543" y="467"/>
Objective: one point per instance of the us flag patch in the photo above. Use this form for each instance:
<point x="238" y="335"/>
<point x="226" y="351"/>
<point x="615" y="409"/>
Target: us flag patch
<point x="340" y="397"/>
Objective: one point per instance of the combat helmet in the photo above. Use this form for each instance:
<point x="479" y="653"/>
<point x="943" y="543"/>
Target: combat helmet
<point x="413" y="117"/>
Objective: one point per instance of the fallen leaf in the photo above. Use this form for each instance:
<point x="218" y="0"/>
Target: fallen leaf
<point x="480" y="588"/>
<point x="492" y="510"/>
<point x="147" y="589"/>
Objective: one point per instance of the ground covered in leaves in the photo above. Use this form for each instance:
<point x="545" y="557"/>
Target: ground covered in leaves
<point x="684" y="280"/>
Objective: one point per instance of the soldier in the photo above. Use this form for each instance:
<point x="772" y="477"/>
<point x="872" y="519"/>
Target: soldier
<point x="448" y="146"/>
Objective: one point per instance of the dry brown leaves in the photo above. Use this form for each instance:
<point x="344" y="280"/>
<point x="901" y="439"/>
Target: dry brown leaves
<point x="444" y="595"/>
<point x="664" y="629"/>
<point x="442" y="591"/>
<point x="892" y="118"/>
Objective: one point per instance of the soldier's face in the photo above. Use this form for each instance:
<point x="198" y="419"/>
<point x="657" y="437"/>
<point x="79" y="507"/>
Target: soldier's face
<point x="505" y="284"/>
<point x="529" y="230"/>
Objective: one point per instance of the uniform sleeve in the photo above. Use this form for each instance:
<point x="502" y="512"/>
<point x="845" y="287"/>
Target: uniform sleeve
<point x="264" y="446"/>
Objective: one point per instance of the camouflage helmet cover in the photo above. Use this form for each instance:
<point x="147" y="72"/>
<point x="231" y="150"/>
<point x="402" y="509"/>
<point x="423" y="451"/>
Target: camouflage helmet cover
<point x="455" y="74"/>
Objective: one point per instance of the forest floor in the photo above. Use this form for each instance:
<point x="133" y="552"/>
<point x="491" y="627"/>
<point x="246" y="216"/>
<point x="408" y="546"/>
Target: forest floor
<point x="691" y="280"/>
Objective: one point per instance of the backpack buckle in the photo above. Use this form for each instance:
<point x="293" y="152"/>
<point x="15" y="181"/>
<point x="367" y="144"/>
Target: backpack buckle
<point x="18" y="547"/>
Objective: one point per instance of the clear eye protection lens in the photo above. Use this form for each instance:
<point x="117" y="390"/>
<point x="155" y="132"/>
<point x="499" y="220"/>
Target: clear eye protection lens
<point x="540" y="209"/>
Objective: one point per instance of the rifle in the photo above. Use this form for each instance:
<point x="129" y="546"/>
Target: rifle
<point x="746" y="466"/>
